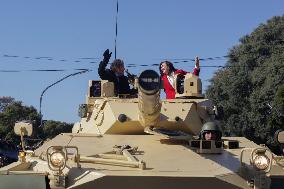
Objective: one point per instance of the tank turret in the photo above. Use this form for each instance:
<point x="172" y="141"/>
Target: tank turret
<point x="105" y="113"/>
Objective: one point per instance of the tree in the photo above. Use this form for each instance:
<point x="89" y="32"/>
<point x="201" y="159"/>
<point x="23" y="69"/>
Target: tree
<point x="52" y="128"/>
<point x="5" y="101"/>
<point x="13" y="112"/>
<point x="251" y="82"/>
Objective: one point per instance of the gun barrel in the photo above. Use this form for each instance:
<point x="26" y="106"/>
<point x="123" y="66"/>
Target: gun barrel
<point x="149" y="98"/>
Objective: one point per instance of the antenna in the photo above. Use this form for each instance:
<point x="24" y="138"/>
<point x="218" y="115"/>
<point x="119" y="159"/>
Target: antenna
<point x="115" y="29"/>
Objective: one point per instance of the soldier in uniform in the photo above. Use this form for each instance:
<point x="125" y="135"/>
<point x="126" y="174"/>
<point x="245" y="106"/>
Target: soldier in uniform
<point x="115" y="74"/>
<point x="210" y="131"/>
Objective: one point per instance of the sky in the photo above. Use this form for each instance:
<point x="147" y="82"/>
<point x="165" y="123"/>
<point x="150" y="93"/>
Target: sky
<point x="73" y="34"/>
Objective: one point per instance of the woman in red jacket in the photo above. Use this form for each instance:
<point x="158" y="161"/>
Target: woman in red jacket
<point x="167" y="71"/>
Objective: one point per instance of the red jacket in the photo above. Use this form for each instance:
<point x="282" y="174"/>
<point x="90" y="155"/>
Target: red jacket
<point x="168" y="88"/>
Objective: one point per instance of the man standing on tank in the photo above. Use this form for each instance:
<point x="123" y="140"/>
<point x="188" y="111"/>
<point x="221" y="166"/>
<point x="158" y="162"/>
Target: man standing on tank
<point x="115" y="74"/>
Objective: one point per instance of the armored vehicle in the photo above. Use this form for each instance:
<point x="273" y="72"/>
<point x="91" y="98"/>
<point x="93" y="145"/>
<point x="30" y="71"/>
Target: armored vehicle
<point x="143" y="141"/>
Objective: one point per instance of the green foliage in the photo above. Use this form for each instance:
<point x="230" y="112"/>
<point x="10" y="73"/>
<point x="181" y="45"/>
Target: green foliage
<point x="252" y="80"/>
<point x="12" y="111"/>
<point x="278" y="100"/>
<point x="53" y="128"/>
<point x="4" y="102"/>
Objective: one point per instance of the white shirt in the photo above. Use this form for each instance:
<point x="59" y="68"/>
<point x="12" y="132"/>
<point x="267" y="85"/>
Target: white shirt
<point x="171" y="79"/>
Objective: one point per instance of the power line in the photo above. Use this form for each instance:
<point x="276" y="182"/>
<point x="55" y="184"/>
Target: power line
<point x="78" y="60"/>
<point x="181" y="60"/>
<point x="50" y="58"/>
<point x="94" y="60"/>
<point x="128" y="66"/>
<point x="44" y="70"/>
<point x="193" y="60"/>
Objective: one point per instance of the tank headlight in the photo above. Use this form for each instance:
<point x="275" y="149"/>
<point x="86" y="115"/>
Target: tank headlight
<point x="57" y="159"/>
<point x="22" y="154"/>
<point x="261" y="162"/>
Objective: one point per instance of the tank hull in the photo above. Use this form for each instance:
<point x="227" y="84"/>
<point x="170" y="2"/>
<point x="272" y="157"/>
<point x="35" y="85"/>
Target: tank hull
<point x="169" y="164"/>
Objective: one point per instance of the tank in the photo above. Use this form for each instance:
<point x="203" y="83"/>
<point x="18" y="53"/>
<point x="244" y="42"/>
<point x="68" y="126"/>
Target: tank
<point x="143" y="141"/>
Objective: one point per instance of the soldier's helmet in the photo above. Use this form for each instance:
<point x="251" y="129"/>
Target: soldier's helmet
<point x="212" y="127"/>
